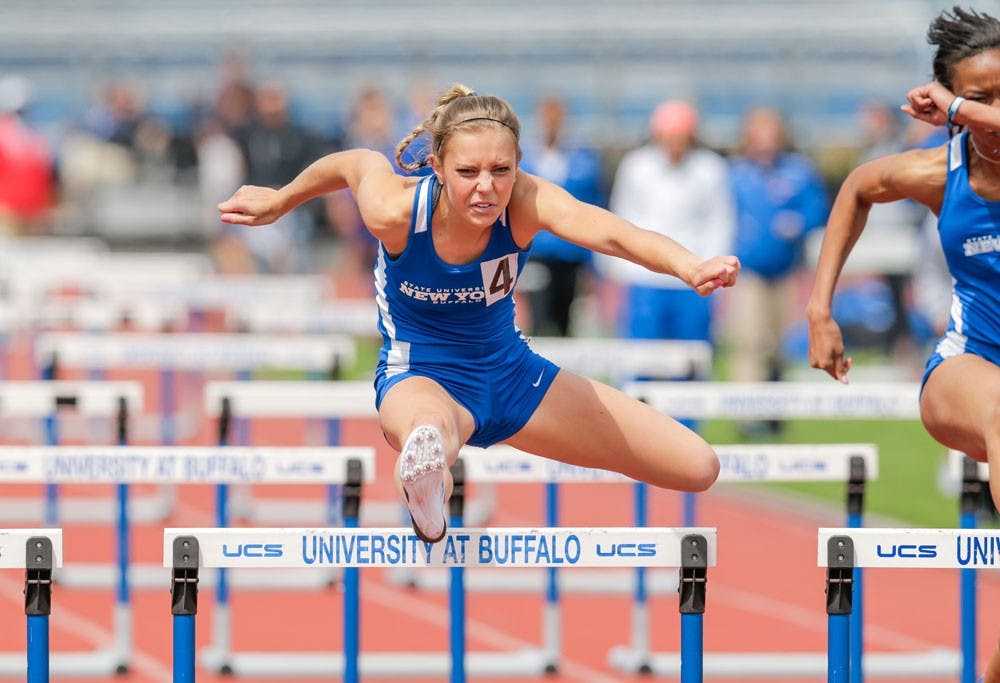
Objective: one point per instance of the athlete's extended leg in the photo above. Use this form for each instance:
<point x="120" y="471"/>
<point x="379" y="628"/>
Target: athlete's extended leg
<point x="427" y="427"/>
<point x="960" y="407"/>
<point x="587" y="423"/>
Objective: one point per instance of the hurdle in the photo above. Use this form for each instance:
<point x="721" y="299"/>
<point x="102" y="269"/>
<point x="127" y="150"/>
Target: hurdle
<point x="790" y="400"/>
<point x="185" y="551"/>
<point x="125" y="465"/>
<point x="506" y="465"/>
<point x="101" y="275"/>
<point x="37" y="552"/>
<point x="47" y="399"/>
<point x="197" y="352"/>
<point x="330" y="401"/>
<point x="356" y="317"/>
<point x="739" y="463"/>
<point x="841" y="551"/>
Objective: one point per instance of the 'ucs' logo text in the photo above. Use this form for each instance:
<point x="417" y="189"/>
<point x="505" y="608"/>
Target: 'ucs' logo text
<point x="627" y="550"/>
<point x="907" y="551"/>
<point x="253" y="550"/>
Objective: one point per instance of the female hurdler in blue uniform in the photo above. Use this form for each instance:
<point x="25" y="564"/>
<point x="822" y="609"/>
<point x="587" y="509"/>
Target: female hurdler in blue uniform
<point x="960" y="182"/>
<point x="453" y="367"/>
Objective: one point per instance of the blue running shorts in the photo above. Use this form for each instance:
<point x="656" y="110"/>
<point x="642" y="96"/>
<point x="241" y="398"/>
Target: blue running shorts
<point x="501" y="389"/>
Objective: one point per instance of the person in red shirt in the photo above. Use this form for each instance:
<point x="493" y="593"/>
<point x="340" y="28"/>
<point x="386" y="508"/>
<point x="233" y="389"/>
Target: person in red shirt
<point x="26" y="168"/>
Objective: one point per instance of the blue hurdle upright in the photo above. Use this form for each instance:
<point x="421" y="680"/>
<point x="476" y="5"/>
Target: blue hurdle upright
<point x="187" y="550"/>
<point x="37" y="552"/>
<point x="841" y="551"/>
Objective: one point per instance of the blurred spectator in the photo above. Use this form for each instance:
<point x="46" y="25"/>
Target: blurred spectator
<point x="371" y="124"/>
<point x="26" y="168"/>
<point x="551" y="277"/>
<point x="275" y="150"/>
<point x="677" y="188"/>
<point x="780" y="198"/>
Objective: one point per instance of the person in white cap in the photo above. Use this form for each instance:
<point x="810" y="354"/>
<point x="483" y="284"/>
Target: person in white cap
<point x="674" y="187"/>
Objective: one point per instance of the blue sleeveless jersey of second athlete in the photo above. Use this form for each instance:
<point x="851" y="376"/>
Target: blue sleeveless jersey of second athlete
<point x="424" y="300"/>
<point x="969" y="227"/>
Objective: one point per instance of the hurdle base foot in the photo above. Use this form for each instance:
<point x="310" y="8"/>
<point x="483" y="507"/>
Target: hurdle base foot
<point x="933" y="663"/>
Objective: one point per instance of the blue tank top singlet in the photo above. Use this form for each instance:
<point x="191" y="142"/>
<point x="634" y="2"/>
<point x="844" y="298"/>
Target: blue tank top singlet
<point x="424" y="301"/>
<point x="969" y="227"/>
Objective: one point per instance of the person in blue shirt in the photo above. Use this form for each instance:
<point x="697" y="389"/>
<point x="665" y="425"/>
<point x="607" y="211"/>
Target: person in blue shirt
<point x="454" y="368"/>
<point x="960" y="182"/>
<point x="779" y="198"/>
<point x="553" y="276"/>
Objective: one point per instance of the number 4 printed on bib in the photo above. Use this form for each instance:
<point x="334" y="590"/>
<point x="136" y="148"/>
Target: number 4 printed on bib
<point x="499" y="276"/>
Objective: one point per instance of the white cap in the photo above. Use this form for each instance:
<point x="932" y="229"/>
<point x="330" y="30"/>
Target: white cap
<point x="15" y="93"/>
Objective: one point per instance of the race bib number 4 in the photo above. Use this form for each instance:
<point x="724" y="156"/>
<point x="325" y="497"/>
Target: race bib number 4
<point x="499" y="277"/>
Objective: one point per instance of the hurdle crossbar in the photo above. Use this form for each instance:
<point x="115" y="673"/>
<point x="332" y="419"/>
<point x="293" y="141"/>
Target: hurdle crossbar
<point x="195" y="351"/>
<point x="36" y="552"/>
<point x="781" y="400"/>
<point x="462" y="547"/>
<point x="179" y="465"/>
<point x="619" y="360"/>
<point x="356" y="317"/>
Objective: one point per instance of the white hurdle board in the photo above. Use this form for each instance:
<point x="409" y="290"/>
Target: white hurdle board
<point x="38" y="398"/>
<point x="178" y="465"/>
<point x="103" y="275"/>
<point x="195" y="351"/>
<point x="916" y="548"/>
<point x="509" y="547"/>
<point x="620" y="360"/>
<point x="781" y="400"/>
<point x="13" y="549"/>
<point x="89" y="314"/>
<point x="356" y="317"/>
<point x="222" y="292"/>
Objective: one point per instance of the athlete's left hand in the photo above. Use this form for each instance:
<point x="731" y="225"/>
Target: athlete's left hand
<point x="715" y="273"/>
<point x="929" y="103"/>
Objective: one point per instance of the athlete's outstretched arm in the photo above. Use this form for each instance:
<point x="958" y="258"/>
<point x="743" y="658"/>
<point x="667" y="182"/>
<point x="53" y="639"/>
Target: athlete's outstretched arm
<point x="546" y="206"/>
<point x="930" y="103"/>
<point x="918" y="175"/>
<point x="252" y="205"/>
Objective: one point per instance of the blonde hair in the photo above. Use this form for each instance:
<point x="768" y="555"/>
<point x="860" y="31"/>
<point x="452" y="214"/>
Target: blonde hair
<point x="459" y="108"/>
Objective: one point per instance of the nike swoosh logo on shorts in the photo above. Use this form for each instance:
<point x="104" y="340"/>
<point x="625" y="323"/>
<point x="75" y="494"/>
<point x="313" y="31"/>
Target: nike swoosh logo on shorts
<point x="539" y="380"/>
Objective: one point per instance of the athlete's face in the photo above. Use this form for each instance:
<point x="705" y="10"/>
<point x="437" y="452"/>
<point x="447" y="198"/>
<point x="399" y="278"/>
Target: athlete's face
<point x="477" y="169"/>
<point x="978" y="78"/>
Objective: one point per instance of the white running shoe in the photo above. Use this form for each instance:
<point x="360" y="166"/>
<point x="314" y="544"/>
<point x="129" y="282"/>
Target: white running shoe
<point x="421" y="467"/>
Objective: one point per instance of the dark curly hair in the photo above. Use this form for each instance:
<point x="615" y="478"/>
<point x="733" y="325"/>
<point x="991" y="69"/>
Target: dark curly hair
<point x="960" y="34"/>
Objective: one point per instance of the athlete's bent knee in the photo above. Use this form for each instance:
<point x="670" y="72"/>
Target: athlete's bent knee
<point x="703" y="471"/>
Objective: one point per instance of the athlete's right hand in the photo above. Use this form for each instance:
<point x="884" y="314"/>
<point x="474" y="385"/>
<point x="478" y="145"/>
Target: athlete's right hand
<point x="252" y="205"/>
<point x="826" y="349"/>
